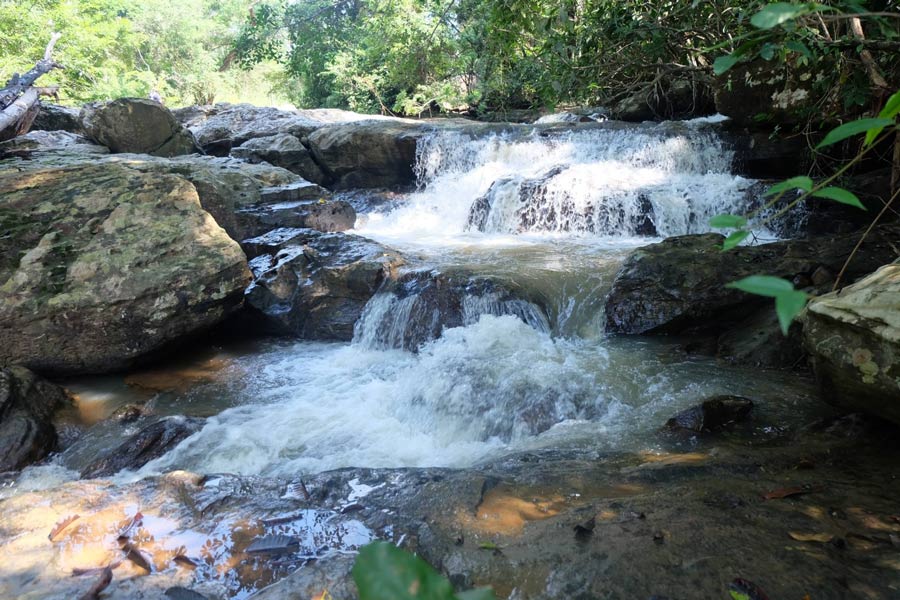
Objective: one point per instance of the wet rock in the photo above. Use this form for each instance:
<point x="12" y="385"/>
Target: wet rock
<point x="297" y="205"/>
<point x="369" y="154"/>
<point x="44" y="141"/>
<point x="853" y="337"/>
<point x="27" y="404"/>
<point x="53" y="117"/>
<point x="149" y="443"/>
<point x="417" y="307"/>
<point x="105" y="264"/>
<point x="678" y="285"/>
<point x="526" y="504"/>
<point x="282" y="150"/>
<point x="536" y="208"/>
<point x="714" y="414"/>
<point x="316" y="287"/>
<point x="758" y="341"/>
<point x="136" y="125"/>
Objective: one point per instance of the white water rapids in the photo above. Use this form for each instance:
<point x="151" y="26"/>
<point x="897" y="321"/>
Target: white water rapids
<point x="556" y="215"/>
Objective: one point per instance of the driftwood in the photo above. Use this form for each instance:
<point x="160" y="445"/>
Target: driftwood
<point x="19" y="99"/>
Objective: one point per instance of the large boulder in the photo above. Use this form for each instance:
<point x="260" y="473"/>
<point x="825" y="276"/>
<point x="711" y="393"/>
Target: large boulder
<point x="853" y="337"/>
<point x="27" y="404"/>
<point x="369" y="154"/>
<point x="103" y="264"/>
<point x="137" y="125"/>
<point x="678" y="285"/>
<point x="315" y="285"/>
<point x="282" y="150"/>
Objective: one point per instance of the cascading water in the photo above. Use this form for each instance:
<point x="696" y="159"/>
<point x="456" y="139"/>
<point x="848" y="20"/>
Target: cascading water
<point x="491" y="341"/>
<point x="613" y="181"/>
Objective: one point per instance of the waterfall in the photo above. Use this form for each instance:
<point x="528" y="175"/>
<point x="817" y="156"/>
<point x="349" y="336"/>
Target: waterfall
<point x="611" y="181"/>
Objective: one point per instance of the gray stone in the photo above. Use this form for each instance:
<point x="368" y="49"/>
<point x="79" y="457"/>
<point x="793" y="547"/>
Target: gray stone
<point x="316" y="287"/>
<point x="853" y="337"/>
<point x="105" y="264"/>
<point x="136" y="125"/>
<point x="27" y="404"/>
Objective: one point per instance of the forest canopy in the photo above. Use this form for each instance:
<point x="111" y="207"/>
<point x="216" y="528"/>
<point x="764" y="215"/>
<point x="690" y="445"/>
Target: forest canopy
<point x="419" y="56"/>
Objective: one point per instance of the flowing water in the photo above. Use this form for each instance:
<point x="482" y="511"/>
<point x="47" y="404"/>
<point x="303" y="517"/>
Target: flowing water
<point x="538" y="226"/>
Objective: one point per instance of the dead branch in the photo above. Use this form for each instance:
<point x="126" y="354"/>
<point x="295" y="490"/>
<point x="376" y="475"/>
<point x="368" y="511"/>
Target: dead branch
<point x="19" y="99"/>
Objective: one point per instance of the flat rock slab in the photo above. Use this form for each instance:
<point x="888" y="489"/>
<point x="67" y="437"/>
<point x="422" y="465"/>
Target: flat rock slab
<point x="534" y="526"/>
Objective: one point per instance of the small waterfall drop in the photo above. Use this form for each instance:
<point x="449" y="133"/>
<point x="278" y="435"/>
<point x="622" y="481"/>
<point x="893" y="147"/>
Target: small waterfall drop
<point x="613" y="181"/>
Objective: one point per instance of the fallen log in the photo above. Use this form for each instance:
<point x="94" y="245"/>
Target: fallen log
<point x="19" y="99"/>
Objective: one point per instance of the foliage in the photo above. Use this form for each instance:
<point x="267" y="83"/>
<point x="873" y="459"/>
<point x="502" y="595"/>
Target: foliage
<point x="788" y="301"/>
<point x="384" y="572"/>
<point x="114" y="48"/>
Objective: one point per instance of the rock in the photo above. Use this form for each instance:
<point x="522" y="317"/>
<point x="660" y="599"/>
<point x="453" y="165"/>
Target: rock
<point x="713" y="414"/>
<point x="317" y="284"/>
<point x="567" y="117"/>
<point x="237" y="123"/>
<point x="105" y="264"/>
<point x="282" y="150"/>
<point x="149" y="443"/>
<point x="53" y="117"/>
<point x="295" y="205"/>
<point x="853" y="337"/>
<point x="27" y="404"/>
<point x="322" y="215"/>
<point x="136" y="125"/>
<point x="668" y="99"/>
<point x="368" y="154"/>
<point x="758" y="341"/>
<point x="526" y="504"/>
<point x="678" y="285"/>
<point x="47" y="141"/>
<point x="535" y="209"/>
<point x="417" y="307"/>
<point x="762" y="92"/>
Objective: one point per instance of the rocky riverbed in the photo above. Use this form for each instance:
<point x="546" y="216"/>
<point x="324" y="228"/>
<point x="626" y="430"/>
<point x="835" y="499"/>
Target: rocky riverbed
<point x="275" y="336"/>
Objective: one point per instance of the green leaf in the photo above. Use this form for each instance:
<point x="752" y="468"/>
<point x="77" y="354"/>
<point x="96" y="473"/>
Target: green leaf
<point x="488" y="546"/>
<point x="787" y="306"/>
<point x="723" y="221"/>
<point x="890" y="110"/>
<point x="781" y="12"/>
<point x="763" y="285"/>
<point x="891" y="107"/>
<point x="852" y="128"/>
<point x="802" y="182"/>
<point x="767" y="51"/>
<point x="799" y="48"/>
<point x="723" y="63"/>
<point x="384" y="572"/>
<point x="734" y="239"/>
<point x="736" y="595"/>
<point x="839" y="195"/>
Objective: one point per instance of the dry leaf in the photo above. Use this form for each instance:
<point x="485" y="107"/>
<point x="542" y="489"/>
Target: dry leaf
<point x="822" y="538"/>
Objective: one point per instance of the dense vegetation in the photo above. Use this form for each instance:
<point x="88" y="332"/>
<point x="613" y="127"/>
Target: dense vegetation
<point x="114" y="48"/>
<point x="414" y="56"/>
